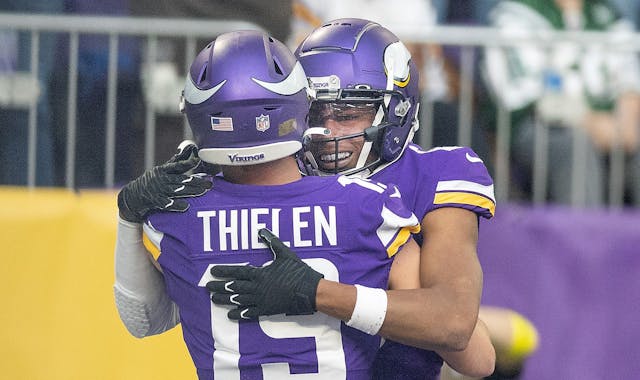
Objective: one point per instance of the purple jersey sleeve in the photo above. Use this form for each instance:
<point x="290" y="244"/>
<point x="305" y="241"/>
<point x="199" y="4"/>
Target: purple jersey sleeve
<point x="464" y="182"/>
<point x="441" y="177"/>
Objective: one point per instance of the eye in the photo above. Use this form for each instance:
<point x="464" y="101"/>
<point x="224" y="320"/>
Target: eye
<point x="347" y="117"/>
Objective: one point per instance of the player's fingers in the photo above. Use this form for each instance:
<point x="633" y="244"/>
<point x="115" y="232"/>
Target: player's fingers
<point x="208" y="168"/>
<point x="243" y="313"/>
<point x="180" y="167"/>
<point x="243" y="300"/>
<point x="221" y="286"/>
<point x="185" y="150"/>
<point x="231" y="286"/>
<point x="180" y="185"/>
<point x="237" y="272"/>
<point x="274" y="243"/>
<point x="267" y="236"/>
<point x="165" y="203"/>
<point x="192" y="186"/>
<point x="176" y="205"/>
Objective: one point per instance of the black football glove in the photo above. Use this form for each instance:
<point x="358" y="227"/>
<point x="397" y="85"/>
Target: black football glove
<point x="160" y="187"/>
<point x="287" y="285"/>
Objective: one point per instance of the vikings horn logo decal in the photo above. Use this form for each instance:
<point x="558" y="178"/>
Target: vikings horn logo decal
<point x="194" y="95"/>
<point x="396" y="64"/>
<point x="296" y="81"/>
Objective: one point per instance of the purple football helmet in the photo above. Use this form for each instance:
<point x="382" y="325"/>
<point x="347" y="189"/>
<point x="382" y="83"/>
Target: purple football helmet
<point x="246" y="98"/>
<point x="358" y="63"/>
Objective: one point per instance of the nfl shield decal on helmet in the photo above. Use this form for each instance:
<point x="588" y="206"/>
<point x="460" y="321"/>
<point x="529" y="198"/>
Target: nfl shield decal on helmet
<point x="262" y="123"/>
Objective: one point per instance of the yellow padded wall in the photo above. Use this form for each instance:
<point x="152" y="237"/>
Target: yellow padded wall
<point x="58" y="318"/>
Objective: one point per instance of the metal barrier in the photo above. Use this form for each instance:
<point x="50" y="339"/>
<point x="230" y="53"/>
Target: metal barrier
<point x="473" y="39"/>
<point x="469" y="39"/>
<point x="113" y="27"/>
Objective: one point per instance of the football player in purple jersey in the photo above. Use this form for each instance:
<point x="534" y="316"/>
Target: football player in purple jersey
<point x="361" y="124"/>
<point x="246" y="101"/>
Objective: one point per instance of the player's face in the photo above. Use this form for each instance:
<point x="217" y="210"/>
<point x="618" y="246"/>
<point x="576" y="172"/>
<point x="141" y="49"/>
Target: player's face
<point x="342" y="119"/>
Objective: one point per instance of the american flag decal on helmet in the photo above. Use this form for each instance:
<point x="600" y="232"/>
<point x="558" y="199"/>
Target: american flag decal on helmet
<point x="222" y="124"/>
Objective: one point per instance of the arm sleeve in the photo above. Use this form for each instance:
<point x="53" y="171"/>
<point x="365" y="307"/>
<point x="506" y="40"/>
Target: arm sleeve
<point x="140" y="296"/>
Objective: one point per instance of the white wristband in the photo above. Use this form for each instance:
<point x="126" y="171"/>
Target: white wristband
<point x="370" y="310"/>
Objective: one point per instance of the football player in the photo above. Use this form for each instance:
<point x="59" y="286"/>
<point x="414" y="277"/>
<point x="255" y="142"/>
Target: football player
<point x="246" y="101"/>
<point x="361" y="124"/>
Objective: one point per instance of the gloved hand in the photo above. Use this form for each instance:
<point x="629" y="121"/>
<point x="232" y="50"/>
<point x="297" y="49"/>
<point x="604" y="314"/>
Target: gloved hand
<point x="160" y="187"/>
<point x="287" y="285"/>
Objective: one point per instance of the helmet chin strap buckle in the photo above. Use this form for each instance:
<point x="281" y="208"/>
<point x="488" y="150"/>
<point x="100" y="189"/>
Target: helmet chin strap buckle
<point x="402" y="108"/>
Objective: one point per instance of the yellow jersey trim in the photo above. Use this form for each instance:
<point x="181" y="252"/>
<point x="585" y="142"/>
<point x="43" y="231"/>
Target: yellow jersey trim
<point x="401" y="238"/>
<point x="404" y="83"/>
<point x="466" y="199"/>
<point x="153" y="250"/>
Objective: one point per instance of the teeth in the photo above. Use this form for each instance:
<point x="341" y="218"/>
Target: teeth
<point x="332" y="157"/>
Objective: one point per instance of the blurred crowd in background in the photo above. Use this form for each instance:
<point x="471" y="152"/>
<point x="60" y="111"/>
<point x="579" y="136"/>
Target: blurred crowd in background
<point x="580" y="93"/>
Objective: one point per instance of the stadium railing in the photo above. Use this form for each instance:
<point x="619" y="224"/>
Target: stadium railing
<point x="470" y="39"/>
<point x="74" y="26"/>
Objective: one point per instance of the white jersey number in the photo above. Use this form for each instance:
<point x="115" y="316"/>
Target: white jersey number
<point x="323" y="329"/>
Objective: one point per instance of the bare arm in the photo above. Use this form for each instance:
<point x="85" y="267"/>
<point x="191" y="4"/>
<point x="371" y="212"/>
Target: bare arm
<point x="608" y="129"/>
<point x="442" y="314"/>
<point x="479" y="358"/>
<point x="451" y="276"/>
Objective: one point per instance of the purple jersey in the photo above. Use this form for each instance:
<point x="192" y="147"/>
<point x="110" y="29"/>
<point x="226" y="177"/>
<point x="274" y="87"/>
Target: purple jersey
<point x="440" y="177"/>
<point x="348" y="229"/>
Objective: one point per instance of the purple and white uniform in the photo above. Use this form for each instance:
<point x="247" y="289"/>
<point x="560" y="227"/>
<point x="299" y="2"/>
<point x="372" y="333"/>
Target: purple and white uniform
<point x="428" y="180"/>
<point x="348" y="229"/>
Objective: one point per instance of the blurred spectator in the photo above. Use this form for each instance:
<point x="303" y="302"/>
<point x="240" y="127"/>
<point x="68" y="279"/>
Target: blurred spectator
<point x="586" y="94"/>
<point x="274" y="16"/>
<point x="403" y="18"/>
<point x="444" y="111"/>
<point x="629" y="9"/>
<point x="18" y="89"/>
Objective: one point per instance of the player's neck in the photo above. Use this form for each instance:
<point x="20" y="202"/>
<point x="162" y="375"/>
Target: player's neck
<point x="278" y="172"/>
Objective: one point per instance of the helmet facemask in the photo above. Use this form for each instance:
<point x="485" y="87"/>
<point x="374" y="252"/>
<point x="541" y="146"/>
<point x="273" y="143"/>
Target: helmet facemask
<point x="329" y="154"/>
<point x="356" y="60"/>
